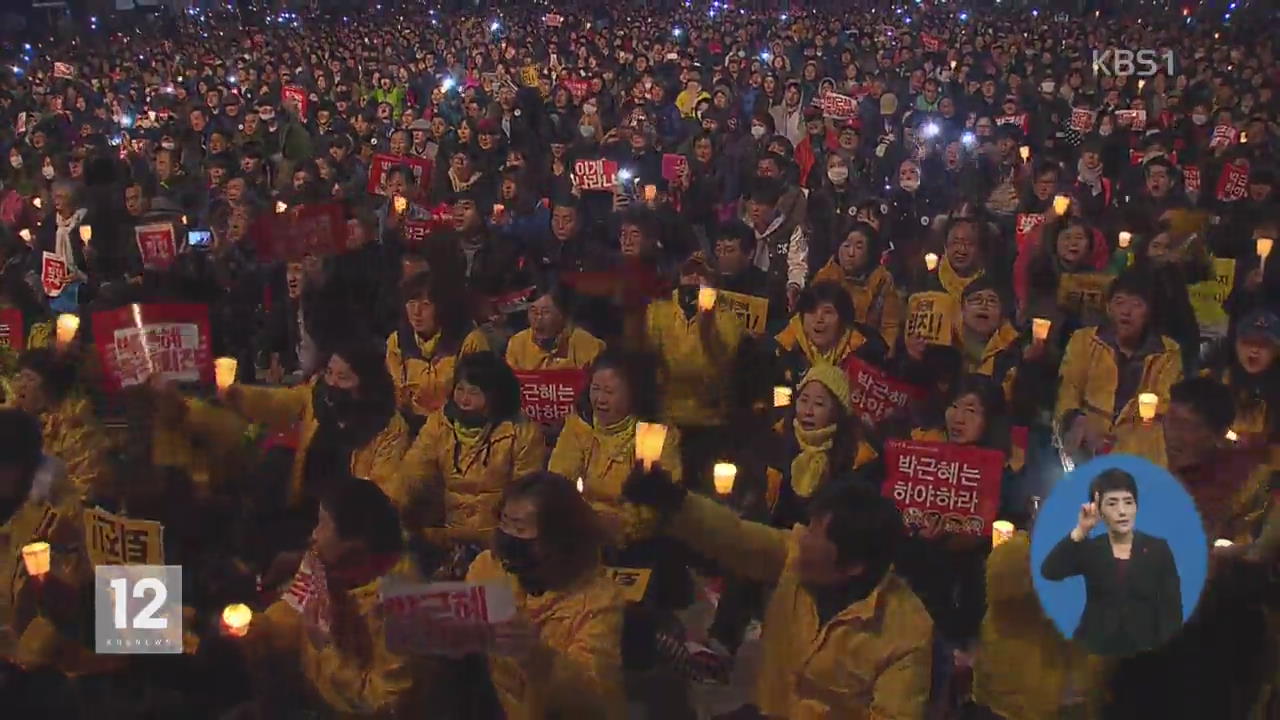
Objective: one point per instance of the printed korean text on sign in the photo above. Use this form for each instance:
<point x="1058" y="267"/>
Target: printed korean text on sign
<point x="752" y="310"/>
<point x="597" y="174"/>
<point x="156" y="245"/>
<point x="169" y="340"/>
<point x="444" y="618"/>
<point x="548" y="396"/>
<point x="941" y="487"/>
<point x="931" y="316"/>
<point x="875" y="395"/>
<point x="118" y="540"/>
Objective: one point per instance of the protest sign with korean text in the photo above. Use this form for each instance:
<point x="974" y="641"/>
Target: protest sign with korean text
<point x="311" y="229"/>
<point x="12" y="329"/>
<point x="136" y="341"/>
<point x="672" y="165"/>
<point x="382" y="162"/>
<point x="598" y="174"/>
<point x="930" y="43"/>
<point x="875" y="394"/>
<point x="308" y="594"/>
<point x="1191" y="178"/>
<point x="548" y="396"/>
<point x="577" y="88"/>
<point x="63" y="71"/>
<point x="631" y="581"/>
<point x="839" y="107"/>
<point x="156" y="245"/>
<point x="942" y="487"/>
<point x="1079" y="292"/>
<point x="1025" y="224"/>
<point x="54" y="275"/>
<point x="1081" y="119"/>
<point x="554" y="20"/>
<point x="443" y="618"/>
<point x="1020" y="120"/>
<point x="1136" y="119"/>
<point x="752" y="310"/>
<point x="1233" y="183"/>
<point x="1207" y="298"/>
<point x="1223" y="136"/>
<point x="298" y="95"/>
<point x="118" y="540"/>
<point x="529" y="76"/>
<point x="931" y="316"/>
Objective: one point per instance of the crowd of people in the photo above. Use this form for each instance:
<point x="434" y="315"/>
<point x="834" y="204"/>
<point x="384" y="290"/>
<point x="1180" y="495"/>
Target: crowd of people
<point x="793" y="240"/>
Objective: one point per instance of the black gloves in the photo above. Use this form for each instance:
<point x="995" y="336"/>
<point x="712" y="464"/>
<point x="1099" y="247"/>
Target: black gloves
<point x="654" y="488"/>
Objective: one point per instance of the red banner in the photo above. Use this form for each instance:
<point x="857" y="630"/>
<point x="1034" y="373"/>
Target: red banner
<point x="304" y="230"/>
<point x="578" y="88"/>
<point x="930" y="43"/>
<point x="597" y="174"/>
<point x="944" y="488"/>
<point x="156" y="245"/>
<point x="136" y="341"/>
<point x="1026" y="223"/>
<point x="54" y="275"/>
<point x="554" y="20"/>
<point x="1136" y="119"/>
<point x="1020" y="120"/>
<point x="673" y="165"/>
<point x="63" y="70"/>
<point x="1081" y="119"/>
<point x="381" y="163"/>
<point x="1191" y="178"/>
<point x="875" y="395"/>
<point x="839" y="107"/>
<point x="1223" y="135"/>
<point x="549" y="395"/>
<point x="298" y="95"/>
<point x="12" y="332"/>
<point x="1233" y="183"/>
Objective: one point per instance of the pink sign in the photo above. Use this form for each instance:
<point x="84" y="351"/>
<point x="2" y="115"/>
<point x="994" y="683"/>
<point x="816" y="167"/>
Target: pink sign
<point x="941" y="487"/>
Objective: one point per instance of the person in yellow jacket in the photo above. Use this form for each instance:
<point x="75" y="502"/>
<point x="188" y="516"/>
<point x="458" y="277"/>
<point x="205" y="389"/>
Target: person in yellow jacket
<point x="207" y="442"/>
<point x="39" y="621"/>
<point x="560" y="656"/>
<point x="1105" y="369"/>
<point x="336" y="637"/>
<point x="599" y="446"/>
<point x="45" y="388"/>
<point x="844" y="636"/>
<point x="856" y="266"/>
<point x="966" y="250"/>
<point x="552" y="341"/>
<point x="823" y="442"/>
<point x="824" y="331"/>
<point x="436" y="329"/>
<point x="454" y="473"/>
<point x="1023" y="669"/>
<point x="345" y="418"/>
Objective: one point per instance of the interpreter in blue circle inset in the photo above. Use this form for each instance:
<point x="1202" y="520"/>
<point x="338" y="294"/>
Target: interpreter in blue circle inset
<point x="1133" y="592"/>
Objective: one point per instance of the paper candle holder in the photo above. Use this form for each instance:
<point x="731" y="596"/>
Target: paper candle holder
<point x="66" y="327"/>
<point x="1025" y="152"/>
<point x="86" y="233"/>
<point x="706" y="298"/>
<point x="401" y="204"/>
<point x="649" y="440"/>
<point x="724" y="474"/>
<point x="1040" y="328"/>
<point x="1061" y="203"/>
<point x="781" y="396"/>
<point x="281" y="207"/>
<point x="1148" y="403"/>
<point x="1001" y="532"/>
<point x="224" y="372"/>
<point x="650" y="193"/>
<point x="1126" y="237"/>
<point x="931" y="261"/>
<point x="36" y="558"/>
<point x="236" y="618"/>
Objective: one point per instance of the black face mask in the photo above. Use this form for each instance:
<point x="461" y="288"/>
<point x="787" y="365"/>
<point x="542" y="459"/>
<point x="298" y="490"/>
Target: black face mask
<point x="519" y="558"/>
<point x="687" y="296"/>
<point x="341" y="403"/>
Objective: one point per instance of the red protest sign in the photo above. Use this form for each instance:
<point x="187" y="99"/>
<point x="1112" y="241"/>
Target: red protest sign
<point x="1233" y="183"/>
<point x="549" y="395"/>
<point x="941" y="487"/>
<point x="1191" y="178"/>
<point x="63" y="70"/>
<point x="12" y="333"/>
<point x="1026" y="223"/>
<point x="317" y="230"/>
<point x="930" y="43"/>
<point x="54" y="275"/>
<point x="1020" y="120"/>
<point x="443" y="618"/>
<point x="156" y="245"/>
<point x="381" y="163"/>
<point x="577" y="88"/>
<point x="673" y="165"/>
<point x="136" y="341"/>
<point x="839" y="107"/>
<point x="1136" y="119"/>
<point x="1223" y="136"/>
<point x="554" y="20"/>
<point x="1081" y="119"/>
<point x="875" y="395"/>
<point x="599" y="174"/>
<point x="297" y="95"/>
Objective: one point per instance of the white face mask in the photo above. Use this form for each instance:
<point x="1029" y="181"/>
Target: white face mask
<point x="16" y="161"/>
<point x="588" y="131"/>
<point x="757" y="131"/>
<point x="838" y="174"/>
<point x="1199" y="119"/>
<point x="47" y="172"/>
<point x="910" y="185"/>
<point x="1104" y="131"/>
<point x="167" y="145"/>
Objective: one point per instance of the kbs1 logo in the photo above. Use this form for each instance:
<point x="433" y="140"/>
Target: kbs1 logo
<point x="1142" y="63"/>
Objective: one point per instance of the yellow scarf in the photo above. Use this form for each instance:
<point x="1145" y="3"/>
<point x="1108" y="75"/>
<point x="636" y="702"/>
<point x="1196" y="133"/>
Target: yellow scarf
<point x="428" y="346"/>
<point x="845" y="346"/>
<point x="616" y="440"/>
<point x="467" y="436"/>
<point x="951" y="282"/>
<point x="809" y="468"/>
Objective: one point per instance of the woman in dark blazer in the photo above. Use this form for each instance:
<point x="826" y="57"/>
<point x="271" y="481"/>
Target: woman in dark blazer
<point x="1133" y="595"/>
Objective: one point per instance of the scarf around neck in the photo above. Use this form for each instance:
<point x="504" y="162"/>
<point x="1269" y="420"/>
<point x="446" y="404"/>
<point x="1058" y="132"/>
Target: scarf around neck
<point x="62" y="246"/>
<point x="951" y="281"/>
<point x="616" y="439"/>
<point x="809" y="468"/>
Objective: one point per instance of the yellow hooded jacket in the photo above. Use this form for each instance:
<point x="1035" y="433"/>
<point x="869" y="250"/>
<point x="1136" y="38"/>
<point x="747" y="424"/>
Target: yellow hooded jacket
<point x="694" y="370"/>
<point x="999" y="359"/>
<point x="799" y="354"/>
<point x="72" y="434"/>
<point x="281" y="409"/>
<point x="424" y="379"/>
<point x="470" y="473"/>
<point x="1089" y="375"/>
<point x="1024" y="669"/>
<point x="871" y="661"/>
<point x="575" y="671"/>
<point x="575" y="348"/>
<point x="876" y="302"/>
<point x="208" y="444"/>
<point x="603" y="458"/>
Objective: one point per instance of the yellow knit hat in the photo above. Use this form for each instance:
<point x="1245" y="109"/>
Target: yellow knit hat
<point x="833" y="379"/>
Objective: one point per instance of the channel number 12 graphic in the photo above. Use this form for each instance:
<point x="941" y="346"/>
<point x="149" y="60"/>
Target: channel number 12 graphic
<point x="137" y="609"/>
